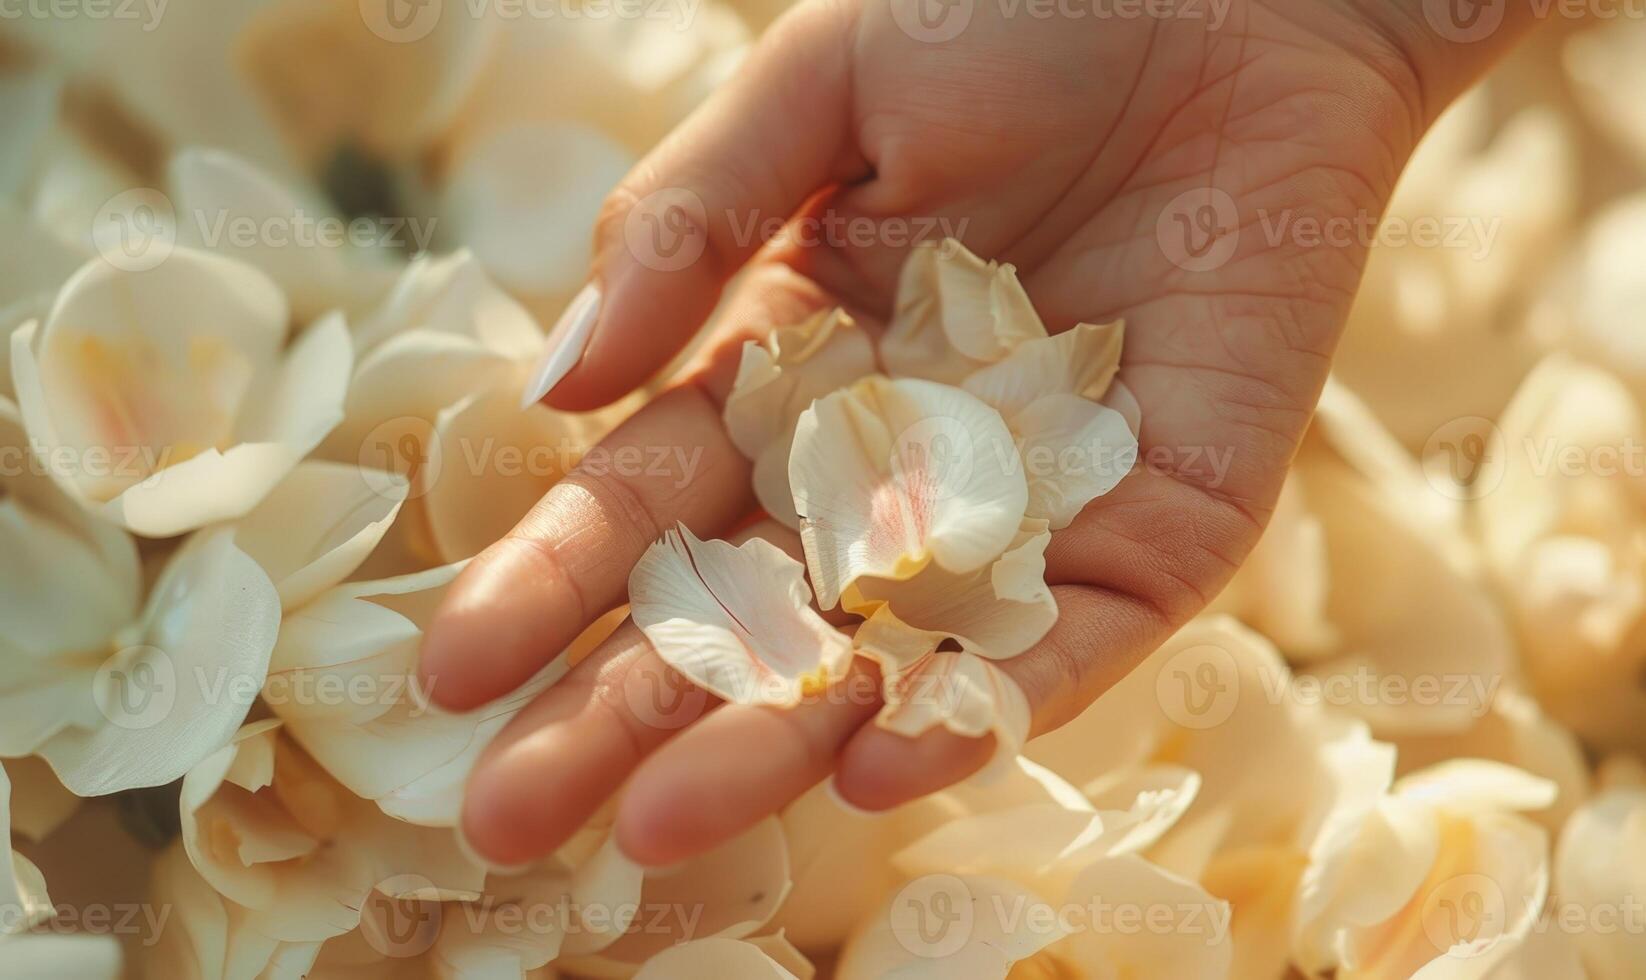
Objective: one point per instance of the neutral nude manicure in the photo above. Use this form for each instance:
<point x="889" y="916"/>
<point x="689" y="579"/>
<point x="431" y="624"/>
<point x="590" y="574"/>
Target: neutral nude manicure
<point x="564" y="346"/>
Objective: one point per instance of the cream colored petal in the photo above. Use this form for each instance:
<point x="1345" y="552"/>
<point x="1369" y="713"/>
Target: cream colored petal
<point x="302" y="402"/>
<point x="1477" y="784"/>
<point x="1283" y="587"/>
<point x="1187" y="930"/>
<point x="712" y="959"/>
<point x="942" y="926"/>
<point x="63" y="954"/>
<point x="605" y="895"/>
<point x="149" y="368"/>
<point x="890" y="475"/>
<point x="208" y="937"/>
<point x="955" y="313"/>
<point x="1074" y="451"/>
<point x="777" y="947"/>
<point x="317" y="525"/>
<point x="730" y="892"/>
<point x="452" y="294"/>
<point x="227" y="205"/>
<point x="344" y="679"/>
<point x="496" y="461"/>
<point x="1604" y="67"/>
<point x="737" y="621"/>
<point x="997" y="612"/>
<point x="1081" y="361"/>
<point x="778" y="378"/>
<point x="308" y="63"/>
<point x="965" y="694"/>
<point x="1599" y="865"/>
<point x="524" y="198"/>
<point x="398" y="392"/>
<point x="185" y="682"/>
<point x="59" y="594"/>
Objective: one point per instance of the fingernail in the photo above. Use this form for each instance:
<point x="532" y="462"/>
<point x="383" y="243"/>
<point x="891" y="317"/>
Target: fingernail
<point x="564" y="346"/>
<point x="831" y="789"/>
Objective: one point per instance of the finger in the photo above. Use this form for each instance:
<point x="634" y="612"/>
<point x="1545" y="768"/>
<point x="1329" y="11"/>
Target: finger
<point x="552" y="767"/>
<point x="1099" y="636"/>
<point x="527" y="597"/>
<point x="688" y="216"/>
<point x="737" y="766"/>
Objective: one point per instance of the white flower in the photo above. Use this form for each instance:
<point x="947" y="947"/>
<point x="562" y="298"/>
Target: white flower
<point x="220" y="199"/>
<point x="343" y="677"/>
<point x="713" y="959"/>
<point x="1562" y="543"/>
<point x="892" y="475"/>
<point x="299" y="853"/>
<point x="955" y="313"/>
<point x="1030" y="891"/>
<point x="736" y="620"/>
<point x="1442" y="879"/>
<point x="163" y="400"/>
<point x="730" y="892"/>
<point x="114" y="691"/>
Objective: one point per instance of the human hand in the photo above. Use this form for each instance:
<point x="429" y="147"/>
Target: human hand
<point x="1129" y="168"/>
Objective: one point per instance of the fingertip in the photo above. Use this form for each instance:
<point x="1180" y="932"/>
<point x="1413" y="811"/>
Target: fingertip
<point x="500" y="622"/>
<point x="881" y="770"/>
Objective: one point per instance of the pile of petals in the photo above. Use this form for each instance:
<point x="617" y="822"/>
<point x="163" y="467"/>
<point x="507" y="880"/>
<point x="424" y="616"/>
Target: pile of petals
<point x="239" y="469"/>
<point x="924" y="495"/>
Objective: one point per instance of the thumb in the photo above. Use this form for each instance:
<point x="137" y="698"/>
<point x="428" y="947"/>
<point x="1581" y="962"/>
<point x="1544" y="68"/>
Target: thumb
<point x="688" y="216"/>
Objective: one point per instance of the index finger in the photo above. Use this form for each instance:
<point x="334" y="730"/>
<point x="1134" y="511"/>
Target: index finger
<point x="567" y="562"/>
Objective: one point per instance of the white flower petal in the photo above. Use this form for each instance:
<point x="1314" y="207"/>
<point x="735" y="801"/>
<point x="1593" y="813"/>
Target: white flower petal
<point x="778" y="378"/>
<point x="996" y="612"/>
<point x="954" y="314"/>
<point x="737" y="621"/>
<point x="967" y="695"/>
<point x="713" y="959"/>
<point x="1074" y="451"/>
<point x="889" y="475"/>
<point x="1081" y="361"/>
<point x="317" y="525"/>
<point x="524" y="198"/>
<point x="946" y="926"/>
<point x="452" y="294"/>
<point x="185" y="683"/>
<point x="219" y="197"/>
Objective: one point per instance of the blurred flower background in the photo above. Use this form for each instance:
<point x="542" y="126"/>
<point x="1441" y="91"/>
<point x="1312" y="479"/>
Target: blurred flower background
<point x="272" y="276"/>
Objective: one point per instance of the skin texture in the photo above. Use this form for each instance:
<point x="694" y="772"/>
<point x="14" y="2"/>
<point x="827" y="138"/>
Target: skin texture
<point x="1056" y="144"/>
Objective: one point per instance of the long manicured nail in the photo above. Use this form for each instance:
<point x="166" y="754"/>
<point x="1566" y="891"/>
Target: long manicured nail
<point x="564" y="346"/>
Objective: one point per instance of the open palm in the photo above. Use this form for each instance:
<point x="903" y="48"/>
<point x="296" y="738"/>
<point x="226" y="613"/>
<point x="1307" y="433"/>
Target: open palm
<point x="1208" y="175"/>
